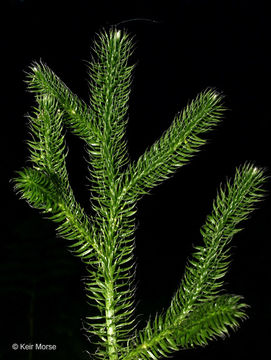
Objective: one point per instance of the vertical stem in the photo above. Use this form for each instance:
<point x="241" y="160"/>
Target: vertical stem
<point x="110" y="289"/>
<point x="110" y="323"/>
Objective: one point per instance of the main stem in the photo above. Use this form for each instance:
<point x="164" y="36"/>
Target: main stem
<point x="110" y="321"/>
<point x="109" y="278"/>
<point x="111" y="69"/>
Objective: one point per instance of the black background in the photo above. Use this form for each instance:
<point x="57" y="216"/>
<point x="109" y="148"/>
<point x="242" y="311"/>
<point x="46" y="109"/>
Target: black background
<point x="183" y="48"/>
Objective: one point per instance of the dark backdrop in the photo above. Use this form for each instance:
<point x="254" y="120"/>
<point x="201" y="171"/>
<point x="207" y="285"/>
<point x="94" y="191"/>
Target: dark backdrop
<point x="182" y="47"/>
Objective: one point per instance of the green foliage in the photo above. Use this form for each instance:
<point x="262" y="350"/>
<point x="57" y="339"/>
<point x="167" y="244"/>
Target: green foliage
<point x="198" y="311"/>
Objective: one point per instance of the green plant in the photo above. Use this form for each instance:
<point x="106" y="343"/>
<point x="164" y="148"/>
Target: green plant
<point x="199" y="311"/>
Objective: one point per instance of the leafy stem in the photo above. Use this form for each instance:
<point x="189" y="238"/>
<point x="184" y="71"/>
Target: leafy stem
<point x="198" y="312"/>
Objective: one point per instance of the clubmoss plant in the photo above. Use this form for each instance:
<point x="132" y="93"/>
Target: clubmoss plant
<point x="199" y="311"/>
